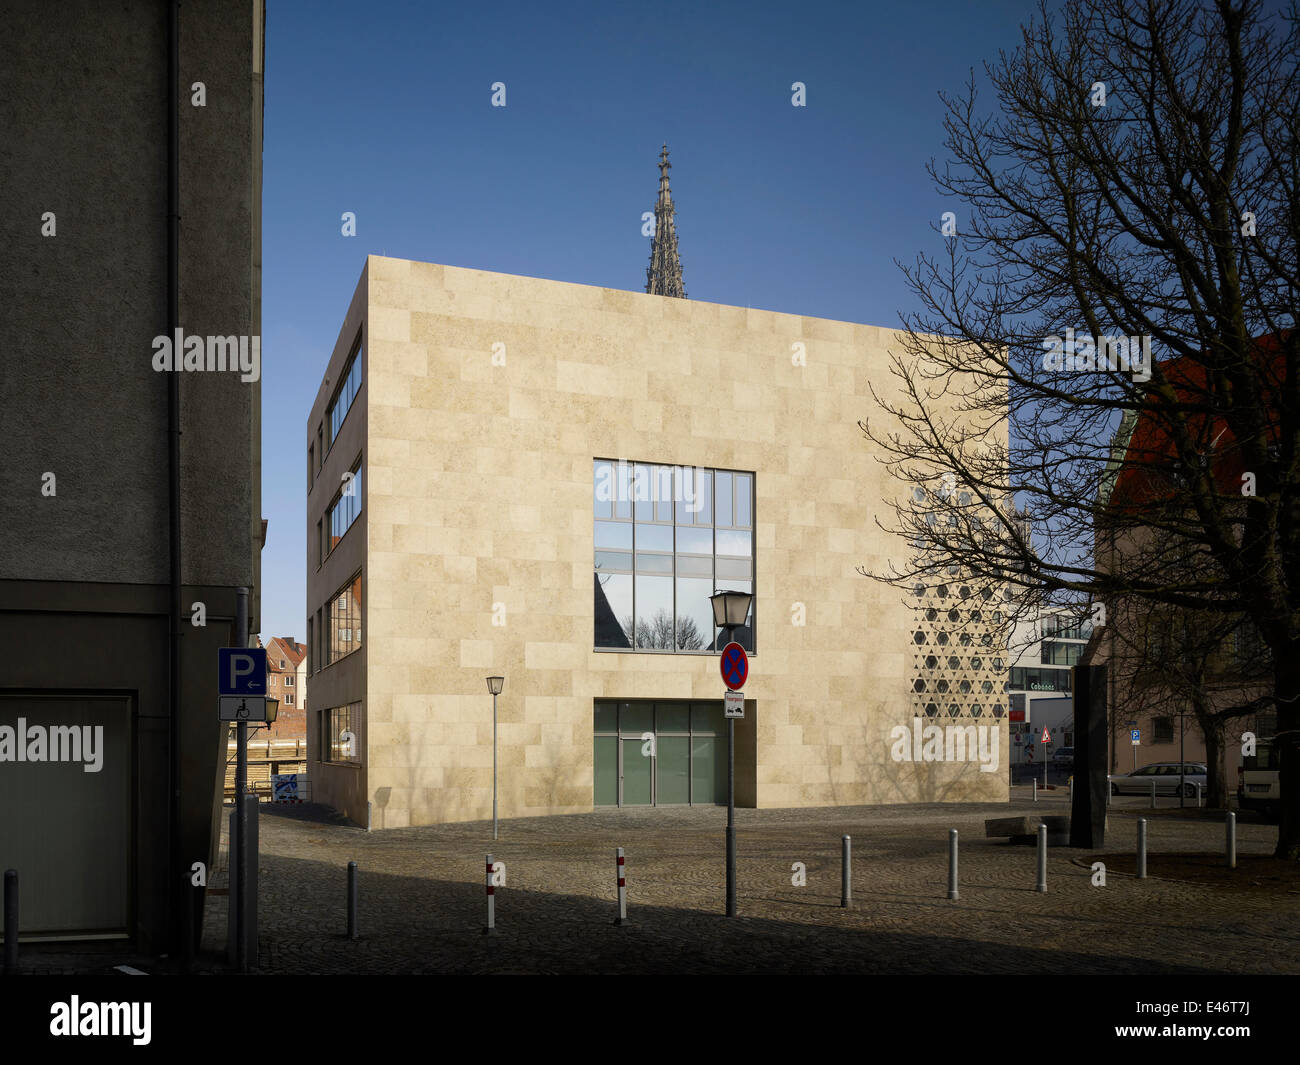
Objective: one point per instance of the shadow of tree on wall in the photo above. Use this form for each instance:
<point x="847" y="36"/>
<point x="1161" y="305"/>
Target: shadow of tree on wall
<point x="880" y="779"/>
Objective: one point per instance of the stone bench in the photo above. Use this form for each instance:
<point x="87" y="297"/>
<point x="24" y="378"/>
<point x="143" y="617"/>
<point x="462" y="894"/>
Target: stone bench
<point x="1025" y="829"/>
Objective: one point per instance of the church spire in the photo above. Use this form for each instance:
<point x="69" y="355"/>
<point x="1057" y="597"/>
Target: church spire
<point x="664" y="275"/>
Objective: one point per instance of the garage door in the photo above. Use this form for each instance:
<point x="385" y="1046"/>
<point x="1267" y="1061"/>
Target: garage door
<point x="65" y="776"/>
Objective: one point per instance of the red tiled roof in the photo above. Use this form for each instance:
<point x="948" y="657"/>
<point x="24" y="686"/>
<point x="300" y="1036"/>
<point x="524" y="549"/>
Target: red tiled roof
<point x="1147" y="474"/>
<point x="284" y="647"/>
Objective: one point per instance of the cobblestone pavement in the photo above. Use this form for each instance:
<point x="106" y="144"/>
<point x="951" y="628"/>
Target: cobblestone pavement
<point x="423" y="908"/>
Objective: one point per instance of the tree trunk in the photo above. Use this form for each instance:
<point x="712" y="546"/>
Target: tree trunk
<point x="1214" y="730"/>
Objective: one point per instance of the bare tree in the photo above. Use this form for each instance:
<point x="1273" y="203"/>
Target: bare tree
<point x="1121" y="287"/>
<point x="1174" y="664"/>
<point x="658" y="632"/>
<point x="688" y="635"/>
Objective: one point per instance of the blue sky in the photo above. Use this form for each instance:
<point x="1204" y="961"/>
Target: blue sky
<point x="384" y="109"/>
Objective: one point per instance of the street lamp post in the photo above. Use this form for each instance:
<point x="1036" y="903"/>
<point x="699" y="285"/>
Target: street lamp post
<point x="730" y="609"/>
<point x="494" y="686"/>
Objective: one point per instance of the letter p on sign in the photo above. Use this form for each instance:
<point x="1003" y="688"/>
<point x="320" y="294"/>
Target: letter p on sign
<point x="241" y="671"/>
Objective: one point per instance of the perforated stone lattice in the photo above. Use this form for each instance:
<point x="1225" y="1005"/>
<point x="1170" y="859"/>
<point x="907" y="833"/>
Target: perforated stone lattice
<point x="959" y="663"/>
<point x="960" y="660"/>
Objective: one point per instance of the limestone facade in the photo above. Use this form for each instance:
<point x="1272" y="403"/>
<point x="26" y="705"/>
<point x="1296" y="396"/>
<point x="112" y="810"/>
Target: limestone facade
<point x="485" y="400"/>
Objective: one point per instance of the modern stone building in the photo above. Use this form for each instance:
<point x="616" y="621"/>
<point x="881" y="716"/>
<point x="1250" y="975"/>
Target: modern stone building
<point x="131" y="492"/>
<point x="546" y="481"/>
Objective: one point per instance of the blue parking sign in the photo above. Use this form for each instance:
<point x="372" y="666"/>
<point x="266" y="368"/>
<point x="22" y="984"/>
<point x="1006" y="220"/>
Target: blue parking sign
<point x="241" y="671"/>
<point x="1137" y="735"/>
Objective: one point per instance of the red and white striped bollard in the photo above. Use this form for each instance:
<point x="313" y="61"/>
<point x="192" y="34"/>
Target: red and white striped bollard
<point x="622" y="889"/>
<point x="491" y="928"/>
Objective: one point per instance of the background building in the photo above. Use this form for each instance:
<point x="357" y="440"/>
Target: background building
<point x="1191" y="682"/>
<point x="1043" y="649"/>
<point x="132" y="496"/>
<point x="460" y="524"/>
<point x="286" y="670"/>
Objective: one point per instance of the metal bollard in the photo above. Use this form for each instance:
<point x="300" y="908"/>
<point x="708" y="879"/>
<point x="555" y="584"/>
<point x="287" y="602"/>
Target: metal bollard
<point x="368" y="813"/>
<point x="1231" y="824"/>
<point x="11" y="922"/>
<point x="1042" y="858"/>
<point x="622" y="888"/>
<point x="1153" y="794"/>
<point x="846" y="873"/>
<point x="952" y="863"/>
<point x="352" y="900"/>
<point x="491" y="928"/>
<point x="1035" y="782"/>
<point x="1072" y="791"/>
<point x="1200" y="792"/>
<point x="1142" y="849"/>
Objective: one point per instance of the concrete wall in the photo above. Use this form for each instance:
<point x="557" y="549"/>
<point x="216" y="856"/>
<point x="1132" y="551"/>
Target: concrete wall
<point x="84" y="305"/>
<point x="84" y="572"/>
<point x="83" y="400"/>
<point x="478" y="491"/>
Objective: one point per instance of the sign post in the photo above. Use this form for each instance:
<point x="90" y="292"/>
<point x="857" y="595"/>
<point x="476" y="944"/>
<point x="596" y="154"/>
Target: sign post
<point x="1137" y="742"/>
<point x="241" y="692"/>
<point x="734" y="667"/>
<point x="1046" y="739"/>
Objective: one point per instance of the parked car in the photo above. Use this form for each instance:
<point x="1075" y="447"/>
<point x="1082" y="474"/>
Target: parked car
<point x="1166" y="776"/>
<point x="1260" y="787"/>
<point x="1063" y="756"/>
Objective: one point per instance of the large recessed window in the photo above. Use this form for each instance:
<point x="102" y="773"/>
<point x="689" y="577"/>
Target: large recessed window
<point x="347" y="392"/>
<point x="666" y="538"/>
<point x="1060" y="654"/>
<point x="334" y="723"/>
<point x="344" y="621"/>
<point x="344" y="509"/>
<point x="1066" y="628"/>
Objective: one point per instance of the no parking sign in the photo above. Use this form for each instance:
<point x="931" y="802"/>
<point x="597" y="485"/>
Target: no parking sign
<point x="734" y="666"/>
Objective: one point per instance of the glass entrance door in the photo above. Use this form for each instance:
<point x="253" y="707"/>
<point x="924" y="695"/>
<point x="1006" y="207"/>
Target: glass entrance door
<point x="637" y="775"/>
<point x="606" y="758"/>
<point x="667" y="753"/>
